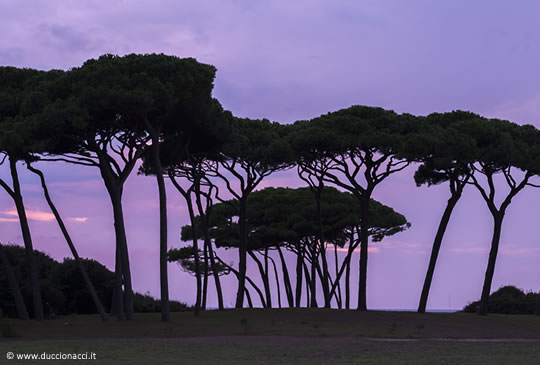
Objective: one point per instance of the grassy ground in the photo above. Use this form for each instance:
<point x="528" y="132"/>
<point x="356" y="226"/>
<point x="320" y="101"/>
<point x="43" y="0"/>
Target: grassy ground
<point x="291" y="336"/>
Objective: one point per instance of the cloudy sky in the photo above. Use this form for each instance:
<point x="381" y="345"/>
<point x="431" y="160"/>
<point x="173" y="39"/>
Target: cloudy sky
<point x="290" y="60"/>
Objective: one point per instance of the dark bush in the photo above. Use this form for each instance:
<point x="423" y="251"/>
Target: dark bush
<point x="507" y="300"/>
<point x="63" y="289"/>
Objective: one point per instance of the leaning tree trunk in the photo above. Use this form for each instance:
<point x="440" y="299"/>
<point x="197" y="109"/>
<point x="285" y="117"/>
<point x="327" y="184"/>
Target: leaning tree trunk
<point x="22" y="312"/>
<point x="435" y="250"/>
<point x="313" y="281"/>
<point x="278" y="286"/>
<point x="264" y="278"/>
<point x="286" y="279"/>
<point x="497" y="226"/>
<point x="27" y="239"/>
<point x="72" y="248"/>
<point x="208" y="245"/>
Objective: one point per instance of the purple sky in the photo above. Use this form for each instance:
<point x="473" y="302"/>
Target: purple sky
<point x="286" y="61"/>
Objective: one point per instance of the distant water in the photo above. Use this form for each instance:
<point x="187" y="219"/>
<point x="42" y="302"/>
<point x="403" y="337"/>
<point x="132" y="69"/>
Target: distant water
<point x="414" y="310"/>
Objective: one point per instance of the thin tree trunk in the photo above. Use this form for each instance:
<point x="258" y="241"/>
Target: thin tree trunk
<point x="286" y="279"/>
<point x="242" y="252"/>
<point x="277" y="281"/>
<point x="362" y="270"/>
<point x="264" y="279"/>
<point x="163" y="274"/>
<point x="435" y="250"/>
<point x="537" y="309"/>
<point x="322" y="245"/>
<point x="205" y="276"/>
<point x="70" y="243"/>
<point x="196" y="257"/>
<point x="497" y="225"/>
<point x="248" y="279"/>
<point x="248" y="297"/>
<point x="22" y="312"/>
<point x="299" y="276"/>
<point x="207" y="242"/>
<point x="27" y="238"/>
<point x="338" y="296"/>
<point x="313" y="282"/>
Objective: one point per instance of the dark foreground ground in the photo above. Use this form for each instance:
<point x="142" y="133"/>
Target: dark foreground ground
<point x="288" y="336"/>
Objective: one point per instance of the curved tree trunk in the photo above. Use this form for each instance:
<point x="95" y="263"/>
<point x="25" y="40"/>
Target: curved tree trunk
<point x="435" y="251"/>
<point x="27" y="238"/>
<point x="72" y="248"/>
<point x="277" y="280"/>
<point x="486" y="289"/>
<point x="338" y="278"/>
<point x="286" y="279"/>
<point x="264" y="278"/>
<point x="22" y="312"/>
<point x="248" y="279"/>
<point x="208" y="243"/>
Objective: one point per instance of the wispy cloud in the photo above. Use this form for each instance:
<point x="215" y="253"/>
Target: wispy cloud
<point x="79" y="219"/>
<point x="36" y="215"/>
<point x="33" y="214"/>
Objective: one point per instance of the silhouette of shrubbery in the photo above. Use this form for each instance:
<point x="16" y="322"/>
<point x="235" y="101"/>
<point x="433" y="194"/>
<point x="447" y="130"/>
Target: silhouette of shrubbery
<point x="63" y="289"/>
<point x="508" y="300"/>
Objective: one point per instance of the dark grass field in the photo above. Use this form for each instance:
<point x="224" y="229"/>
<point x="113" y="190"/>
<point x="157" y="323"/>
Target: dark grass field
<point x="285" y="336"/>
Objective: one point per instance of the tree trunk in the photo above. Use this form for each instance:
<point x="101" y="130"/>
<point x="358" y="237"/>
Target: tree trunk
<point x="163" y="274"/>
<point x="121" y="239"/>
<point x="242" y="252"/>
<point x="362" y="270"/>
<point x="27" y="238"/>
<point x="313" y="281"/>
<point x="22" y="312"/>
<point x="205" y="277"/>
<point x="207" y="242"/>
<point x="322" y="249"/>
<point x="117" y="303"/>
<point x="497" y="225"/>
<point x="299" y="275"/>
<point x="72" y="248"/>
<point x="248" y="279"/>
<point x="286" y="279"/>
<point x="338" y="281"/>
<point x="537" y="309"/>
<point x="435" y="250"/>
<point x="264" y="278"/>
<point x="277" y="280"/>
<point x="196" y="257"/>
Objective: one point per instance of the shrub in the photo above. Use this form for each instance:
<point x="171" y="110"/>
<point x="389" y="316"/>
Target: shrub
<point x="507" y="300"/>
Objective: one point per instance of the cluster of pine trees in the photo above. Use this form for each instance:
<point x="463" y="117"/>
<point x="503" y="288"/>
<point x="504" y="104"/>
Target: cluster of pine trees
<point x="113" y="112"/>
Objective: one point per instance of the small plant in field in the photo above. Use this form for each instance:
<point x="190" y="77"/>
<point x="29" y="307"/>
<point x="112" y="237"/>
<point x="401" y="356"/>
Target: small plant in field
<point x="244" y="321"/>
<point x="420" y="326"/>
<point x="393" y="327"/>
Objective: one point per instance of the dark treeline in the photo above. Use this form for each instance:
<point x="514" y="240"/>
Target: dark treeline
<point x="112" y="112"/>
